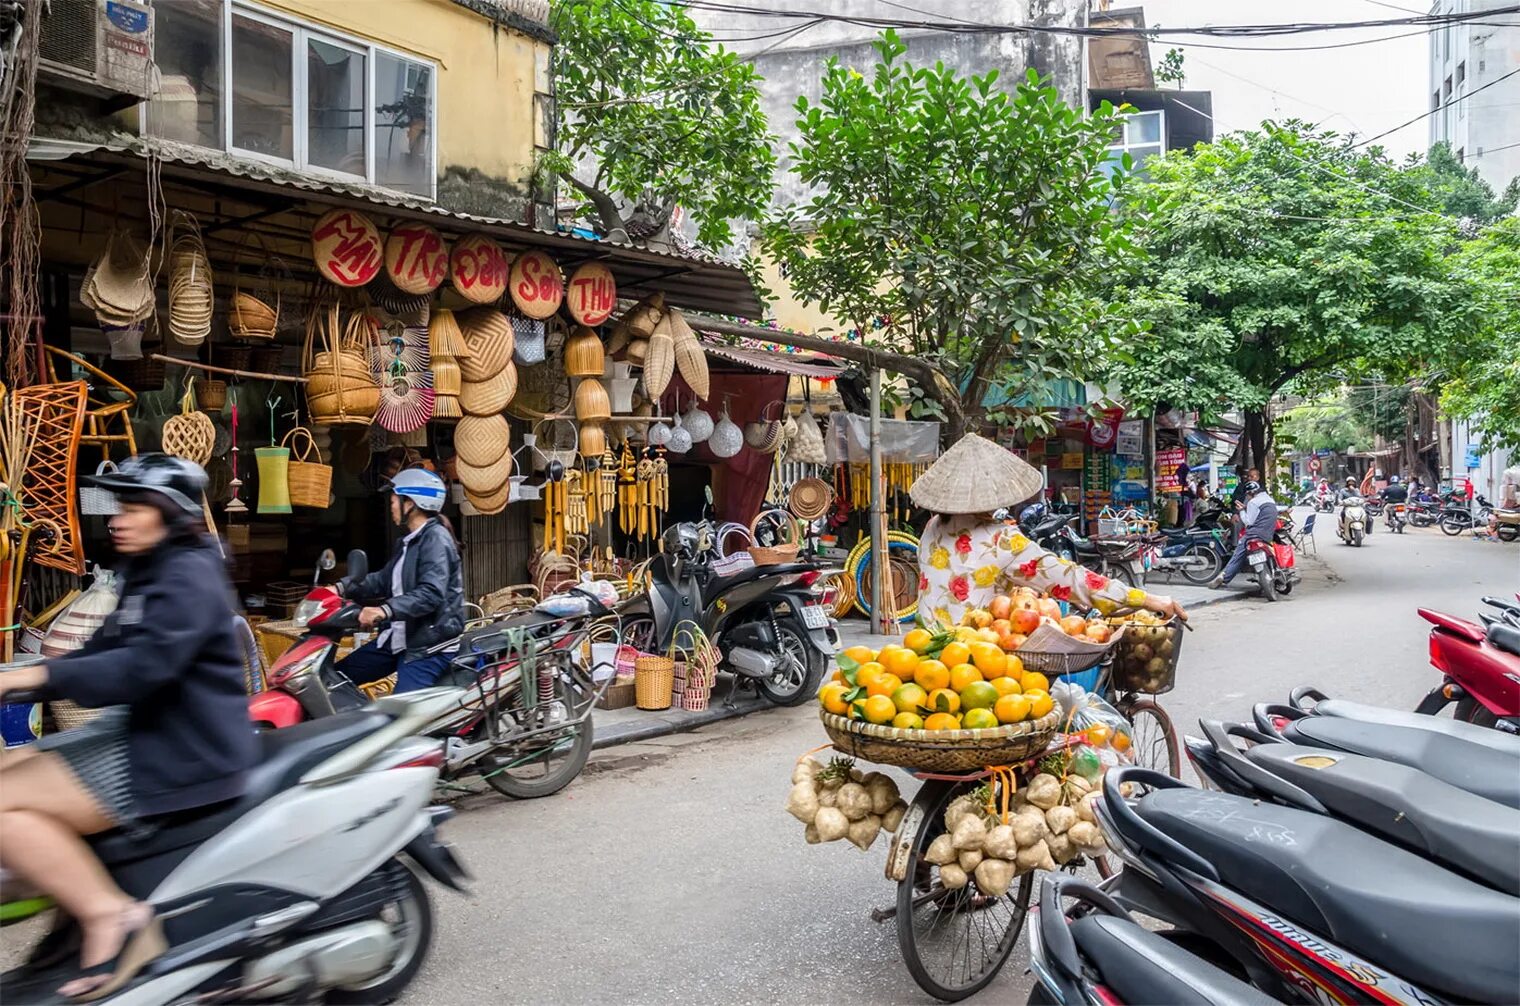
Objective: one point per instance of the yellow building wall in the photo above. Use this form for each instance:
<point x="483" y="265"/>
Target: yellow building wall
<point x="487" y="73"/>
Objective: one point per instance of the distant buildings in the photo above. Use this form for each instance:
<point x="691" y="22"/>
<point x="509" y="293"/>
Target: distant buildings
<point x="1464" y="58"/>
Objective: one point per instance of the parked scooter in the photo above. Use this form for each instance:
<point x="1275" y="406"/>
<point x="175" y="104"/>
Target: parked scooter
<point x="304" y="889"/>
<point x="1123" y="559"/>
<point x="768" y="621"/>
<point x="1479" y="665"/>
<point x="1457" y="517"/>
<point x="1353" y="523"/>
<point x="1274" y="561"/>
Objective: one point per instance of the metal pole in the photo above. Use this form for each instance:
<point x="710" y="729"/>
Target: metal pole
<point x="880" y="578"/>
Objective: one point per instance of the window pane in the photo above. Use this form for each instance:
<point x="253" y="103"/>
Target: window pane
<point x="335" y="108"/>
<point x="261" y="88"/>
<point x="1145" y="128"/>
<point x="187" y="46"/>
<point x="403" y="124"/>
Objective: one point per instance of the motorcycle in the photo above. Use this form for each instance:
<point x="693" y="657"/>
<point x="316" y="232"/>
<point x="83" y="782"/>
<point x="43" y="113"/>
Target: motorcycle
<point x="1274" y="561"/>
<point x="1353" y="523"/>
<point x="1479" y="665"/>
<point x="770" y="623"/>
<point x="1459" y="516"/>
<point x="522" y="719"/>
<point x="1423" y="511"/>
<point x="1324" y="500"/>
<point x="1395" y="515"/>
<point x="306" y="888"/>
<point x="1197" y="554"/>
<point x="1123" y="559"/>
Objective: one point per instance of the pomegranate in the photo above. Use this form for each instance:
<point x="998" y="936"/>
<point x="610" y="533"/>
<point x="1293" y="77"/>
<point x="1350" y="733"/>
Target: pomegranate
<point x="1025" y="620"/>
<point x="1001" y="607"/>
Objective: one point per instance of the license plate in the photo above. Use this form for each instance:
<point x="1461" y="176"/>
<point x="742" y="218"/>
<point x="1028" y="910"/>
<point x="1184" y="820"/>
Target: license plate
<point x="814" y="617"/>
<point x="1257" y="558"/>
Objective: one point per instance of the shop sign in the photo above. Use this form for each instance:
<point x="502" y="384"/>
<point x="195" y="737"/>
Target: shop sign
<point x="346" y="248"/>
<point x="1168" y="460"/>
<point x="416" y="258"/>
<point x="537" y="286"/>
<point x="1131" y="438"/>
<point x="591" y="294"/>
<point x="1103" y="429"/>
<point x="478" y="269"/>
<point x="1071" y="460"/>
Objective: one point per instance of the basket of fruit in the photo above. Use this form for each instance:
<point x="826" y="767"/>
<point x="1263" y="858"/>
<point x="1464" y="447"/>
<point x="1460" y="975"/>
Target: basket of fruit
<point x="1145" y="656"/>
<point x="944" y="749"/>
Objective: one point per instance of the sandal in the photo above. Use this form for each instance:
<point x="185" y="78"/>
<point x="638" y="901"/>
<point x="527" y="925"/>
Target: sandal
<point x="142" y="946"/>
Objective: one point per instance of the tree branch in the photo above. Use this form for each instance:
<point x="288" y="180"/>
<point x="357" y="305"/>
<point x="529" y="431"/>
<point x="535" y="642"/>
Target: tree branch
<point x="613" y="227"/>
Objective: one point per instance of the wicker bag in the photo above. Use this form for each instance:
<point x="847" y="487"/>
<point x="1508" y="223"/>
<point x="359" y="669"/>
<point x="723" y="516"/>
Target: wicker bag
<point x="71" y="630"/>
<point x="765" y="433"/>
<point x="310" y="482"/>
<point x="340" y="387"/>
<point x="97" y="502"/>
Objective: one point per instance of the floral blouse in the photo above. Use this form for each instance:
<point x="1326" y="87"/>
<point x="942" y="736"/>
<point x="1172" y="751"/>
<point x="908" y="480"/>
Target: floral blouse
<point x="964" y="562"/>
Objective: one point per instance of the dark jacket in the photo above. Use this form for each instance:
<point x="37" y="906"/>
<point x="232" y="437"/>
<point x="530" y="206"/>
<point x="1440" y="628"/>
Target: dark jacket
<point x="169" y="653"/>
<point x="431" y="602"/>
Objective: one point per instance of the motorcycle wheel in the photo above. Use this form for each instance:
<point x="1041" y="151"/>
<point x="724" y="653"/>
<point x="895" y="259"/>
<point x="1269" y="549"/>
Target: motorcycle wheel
<point x="1285" y="585"/>
<point x="1454" y="525"/>
<point x="1202" y="574"/>
<point x="1470" y="710"/>
<point x="411" y="916"/>
<point x="1355" y="541"/>
<point x="1509" y="532"/>
<point x="548" y="769"/>
<point x="796" y="683"/>
<point x="1268" y="582"/>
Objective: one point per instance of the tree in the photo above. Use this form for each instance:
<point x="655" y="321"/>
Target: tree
<point x="971" y="222"/>
<point x="1284" y="256"/>
<point x="1170" y="70"/>
<point x="1462" y="192"/>
<point x="650" y="115"/>
<point x="1483" y="383"/>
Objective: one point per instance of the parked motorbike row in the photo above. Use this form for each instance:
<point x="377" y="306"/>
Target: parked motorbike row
<point x="1337" y="852"/>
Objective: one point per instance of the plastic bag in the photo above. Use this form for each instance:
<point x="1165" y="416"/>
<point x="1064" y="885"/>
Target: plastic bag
<point x="1088" y="719"/>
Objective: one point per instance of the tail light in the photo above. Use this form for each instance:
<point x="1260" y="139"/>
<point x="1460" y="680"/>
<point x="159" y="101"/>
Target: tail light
<point x="828" y="594"/>
<point x="810" y="577"/>
<point x="1437" y="654"/>
<point x="433" y="758"/>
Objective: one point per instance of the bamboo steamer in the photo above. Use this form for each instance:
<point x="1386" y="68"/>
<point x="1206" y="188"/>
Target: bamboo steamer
<point x="489" y="340"/>
<point x="484" y="480"/>
<point x="482" y="440"/>
<point x="593" y="440"/>
<point x="691" y="358"/>
<point x="490" y="396"/>
<point x="584" y="356"/>
<point x="660" y="359"/>
<point x="591" y="402"/>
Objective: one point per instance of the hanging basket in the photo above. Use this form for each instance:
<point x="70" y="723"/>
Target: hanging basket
<point x="340" y="387"/>
<point x="554" y="445"/>
<point x="210" y="394"/>
<point x="309" y="481"/>
<point x="274" y="479"/>
<point x="97" y="502"/>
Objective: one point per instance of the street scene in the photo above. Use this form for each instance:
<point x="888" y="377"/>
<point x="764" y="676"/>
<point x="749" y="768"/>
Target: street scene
<point x="680" y="501"/>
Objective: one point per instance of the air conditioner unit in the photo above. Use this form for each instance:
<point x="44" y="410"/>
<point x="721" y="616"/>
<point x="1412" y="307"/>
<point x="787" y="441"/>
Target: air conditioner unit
<point x="99" y="47"/>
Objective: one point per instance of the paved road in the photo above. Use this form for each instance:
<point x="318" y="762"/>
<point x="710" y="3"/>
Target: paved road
<point x="671" y="874"/>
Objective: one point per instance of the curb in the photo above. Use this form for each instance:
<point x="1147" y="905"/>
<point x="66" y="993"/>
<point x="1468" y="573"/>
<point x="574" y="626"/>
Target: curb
<point x="665" y="724"/>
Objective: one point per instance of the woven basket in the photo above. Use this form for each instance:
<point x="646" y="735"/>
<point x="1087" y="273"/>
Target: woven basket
<point x="310" y="481"/>
<point x="653" y="679"/>
<point x="250" y="319"/>
<point x="810" y="499"/>
<point x="210" y="394"/>
<point x="942" y="750"/>
<point x="490" y="396"/>
<point x="190" y="435"/>
<point x="481" y="440"/>
<point x="774" y="555"/>
<point x="340" y="388"/>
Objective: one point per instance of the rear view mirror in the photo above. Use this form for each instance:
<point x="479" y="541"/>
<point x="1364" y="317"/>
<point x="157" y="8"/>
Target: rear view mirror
<point x="358" y="564"/>
<point x="707" y="491"/>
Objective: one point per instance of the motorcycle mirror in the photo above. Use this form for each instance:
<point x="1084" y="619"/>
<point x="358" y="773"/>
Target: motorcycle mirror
<point x="327" y="560"/>
<point x="358" y="564"/>
<point x="707" y="491"/>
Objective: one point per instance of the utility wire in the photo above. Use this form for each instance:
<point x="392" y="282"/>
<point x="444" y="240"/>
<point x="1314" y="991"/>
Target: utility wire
<point x="1457" y="100"/>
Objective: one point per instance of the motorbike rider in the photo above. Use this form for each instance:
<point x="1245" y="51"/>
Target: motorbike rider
<point x="966" y="557"/>
<point x="1259" y="522"/>
<point x="1349" y="489"/>
<point x="425" y="587"/>
<point x="173" y="732"/>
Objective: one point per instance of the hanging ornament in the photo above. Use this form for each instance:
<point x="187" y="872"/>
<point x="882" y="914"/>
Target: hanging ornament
<point x="727" y="439"/>
<point x="680" y="438"/>
<point x="698" y="423"/>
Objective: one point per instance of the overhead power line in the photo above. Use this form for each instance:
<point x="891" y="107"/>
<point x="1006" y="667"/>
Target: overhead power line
<point x="1441" y="107"/>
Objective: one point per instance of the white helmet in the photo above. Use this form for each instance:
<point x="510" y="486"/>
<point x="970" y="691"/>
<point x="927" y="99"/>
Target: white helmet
<point x="422" y="487"/>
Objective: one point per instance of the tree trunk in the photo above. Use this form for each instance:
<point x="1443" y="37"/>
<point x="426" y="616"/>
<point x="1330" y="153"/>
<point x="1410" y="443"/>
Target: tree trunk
<point x="1252" y="452"/>
<point x="613" y="226"/>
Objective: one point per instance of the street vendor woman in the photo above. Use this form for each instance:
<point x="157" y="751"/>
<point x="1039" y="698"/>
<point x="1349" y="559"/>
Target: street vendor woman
<point x="966" y="557"/>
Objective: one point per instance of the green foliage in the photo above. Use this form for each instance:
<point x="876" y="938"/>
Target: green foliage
<point x="1483" y="382"/>
<point x="650" y="112"/>
<point x="975" y="220"/>
<point x="1461" y="191"/>
<point x="1326" y="424"/>
<point x="1170" y="70"/>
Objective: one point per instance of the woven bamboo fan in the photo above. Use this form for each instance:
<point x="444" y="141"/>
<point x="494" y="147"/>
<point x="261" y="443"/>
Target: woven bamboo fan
<point x="660" y="359"/>
<point x="404" y="406"/>
<point x="482" y="440"/>
<point x="489" y="340"/>
<point x="591" y="403"/>
<point x="691" y="358"/>
<point x="493" y="503"/>
<point x="491" y="396"/>
<point x="584" y="356"/>
<point x="485" y="480"/>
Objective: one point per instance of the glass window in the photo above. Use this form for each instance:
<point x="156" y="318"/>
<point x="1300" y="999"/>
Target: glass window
<point x="1435" y="100"/>
<point x="187" y="46"/>
<point x="1140" y="136"/>
<point x="1461" y="71"/>
<point x="1144" y="127"/>
<point x="262" y="92"/>
<point x="335" y="107"/>
<point x="403" y="124"/>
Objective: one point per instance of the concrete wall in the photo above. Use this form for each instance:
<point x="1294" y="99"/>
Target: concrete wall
<point x="1483" y="126"/>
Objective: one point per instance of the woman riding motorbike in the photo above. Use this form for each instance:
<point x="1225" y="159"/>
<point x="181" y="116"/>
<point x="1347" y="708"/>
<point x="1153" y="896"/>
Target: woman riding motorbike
<point x="166" y="669"/>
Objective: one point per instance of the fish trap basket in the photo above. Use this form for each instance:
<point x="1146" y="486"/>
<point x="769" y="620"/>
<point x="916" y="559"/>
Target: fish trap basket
<point x="942" y="750"/>
<point x="1145" y="658"/>
<point x="654" y="678"/>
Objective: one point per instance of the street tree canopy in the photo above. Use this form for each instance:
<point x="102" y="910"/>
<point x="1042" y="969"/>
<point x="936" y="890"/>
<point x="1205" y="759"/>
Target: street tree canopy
<point x="651" y="115"/>
<point x="1483" y="383"/>
<point x="970" y="223"/>
<point x="1284" y="256"/>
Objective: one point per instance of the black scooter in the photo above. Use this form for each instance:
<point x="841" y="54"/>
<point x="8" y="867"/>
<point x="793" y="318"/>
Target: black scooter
<point x="767" y="621"/>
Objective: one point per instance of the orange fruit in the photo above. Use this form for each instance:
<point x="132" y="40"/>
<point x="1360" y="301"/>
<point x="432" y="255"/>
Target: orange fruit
<point x="1013" y="666"/>
<point x="901" y="662"/>
<point x="1098" y="734"/>
<point x="942" y="721"/>
<point x="884" y="685"/>
<point x="1035" y="681"/>
<point x="979" y="719"/>
<point x="1006" y="685"/>
<point x="932" y="674"/>
<point x="909" y="697"/>
<point x="962" y="675"/>
<point x="908" y="721"/>
<point x="1121" y="741"/>
<point x="1012" y="709"/>
<point x="858" y="709"/>
<point x="943" y="700"/>
<point x="879" y="709"/>
<point x="989" y="659"/>
<point x="955" y="653"/>
<point x="860" y="654"/>
<point x="831" y="696"/>
<point x="919" y="641"/>
<point x="1040" y="702"/>
<point x="979" y="695"/>
<point x="868" y="673"/>
<point x="838" y="676"/>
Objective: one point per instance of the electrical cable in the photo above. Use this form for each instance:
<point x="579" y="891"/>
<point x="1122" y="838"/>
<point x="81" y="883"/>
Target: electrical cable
<point x="1457" y="100"/>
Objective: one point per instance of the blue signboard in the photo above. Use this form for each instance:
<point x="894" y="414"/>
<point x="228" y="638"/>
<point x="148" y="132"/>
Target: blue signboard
<point x="1474" y="457"/>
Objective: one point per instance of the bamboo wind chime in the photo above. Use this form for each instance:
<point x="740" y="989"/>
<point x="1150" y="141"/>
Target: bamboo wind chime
<point x="899" y="478"/>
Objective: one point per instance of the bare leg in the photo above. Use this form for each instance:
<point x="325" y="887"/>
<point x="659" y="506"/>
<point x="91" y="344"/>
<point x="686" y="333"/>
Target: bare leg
<point x="11" y="757"/>
<point x="43" y="812"/>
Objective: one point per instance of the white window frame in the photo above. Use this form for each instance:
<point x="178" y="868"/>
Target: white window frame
<point x="301" y="33"/>
<point x="1127" y="146"/>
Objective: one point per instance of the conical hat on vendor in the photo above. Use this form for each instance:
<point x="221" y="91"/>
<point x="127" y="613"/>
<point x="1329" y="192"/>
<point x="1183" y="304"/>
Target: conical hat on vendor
<point x="975" y="476"/>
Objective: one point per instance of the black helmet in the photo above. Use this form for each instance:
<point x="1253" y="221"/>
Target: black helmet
<point x="181" y="482"/>
<point x="1251" y="487"/>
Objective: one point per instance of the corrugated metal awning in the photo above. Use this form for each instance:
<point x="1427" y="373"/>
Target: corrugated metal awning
<point x="817" y="367"/>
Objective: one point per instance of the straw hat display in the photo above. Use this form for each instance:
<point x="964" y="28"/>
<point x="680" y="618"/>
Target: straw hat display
<point x="975" y="476"/>
<point x="190" y="295"/>
<point x="480" y="441"/>
<point x="490" y="396"/>
<point x="119" y="284"/>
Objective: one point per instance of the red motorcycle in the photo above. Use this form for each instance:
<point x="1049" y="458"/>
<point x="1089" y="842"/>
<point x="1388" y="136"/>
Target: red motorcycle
<point x="1479" y="665"/>
<point x="1273" y="561"/>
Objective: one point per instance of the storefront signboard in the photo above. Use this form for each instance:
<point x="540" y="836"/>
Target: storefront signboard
<point x="346" y="248"/>
<point x="537" y="286"/>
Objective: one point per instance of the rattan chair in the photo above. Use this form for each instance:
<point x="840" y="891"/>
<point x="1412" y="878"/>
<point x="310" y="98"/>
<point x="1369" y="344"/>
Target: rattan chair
<point x="102" y="413"/>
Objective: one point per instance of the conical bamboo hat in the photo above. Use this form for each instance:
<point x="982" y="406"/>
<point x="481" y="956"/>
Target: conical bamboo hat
<point x="975" y="476"/>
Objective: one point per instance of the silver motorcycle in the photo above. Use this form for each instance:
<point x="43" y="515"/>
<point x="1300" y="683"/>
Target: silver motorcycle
<point x="1353" y="524"/>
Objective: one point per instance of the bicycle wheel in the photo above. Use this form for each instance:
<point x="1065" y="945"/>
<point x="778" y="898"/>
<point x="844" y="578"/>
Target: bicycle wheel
<point x="953" y="942"/>
<point x="544" y="763"/>
<point x="1154" y="740"/>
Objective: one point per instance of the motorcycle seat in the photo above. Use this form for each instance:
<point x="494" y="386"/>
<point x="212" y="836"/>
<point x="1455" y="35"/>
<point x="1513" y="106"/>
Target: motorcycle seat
<point x="285" y="755"/>
<point x="493" y="635"/>
<point x="1425" y="815"/>
<point x="1428" y="925"/>
<point x="1348" y="710"/>
<point x="719" y="584"/>
<point x="1143" y="967"/>
<point x="1505" y="637"/>
<point x="1477" y="768"/>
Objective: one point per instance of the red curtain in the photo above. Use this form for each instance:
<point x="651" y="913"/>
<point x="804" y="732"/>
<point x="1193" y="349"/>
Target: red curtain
<point x="739" y="482"/>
